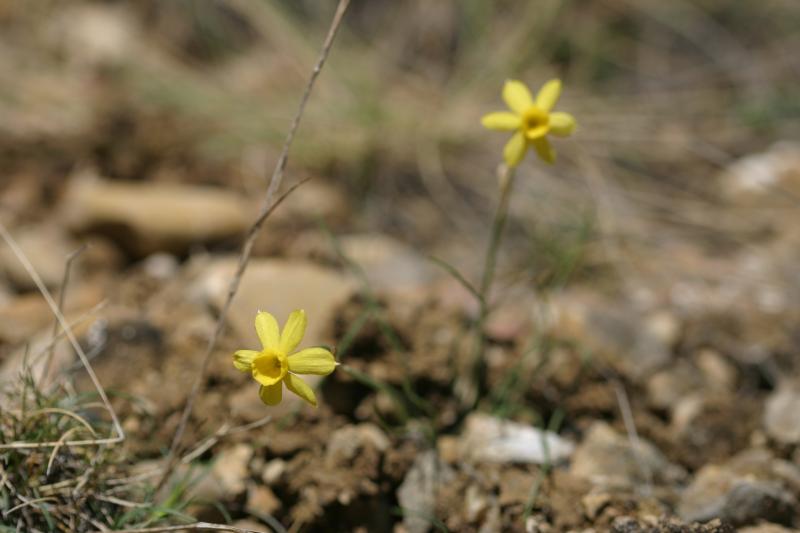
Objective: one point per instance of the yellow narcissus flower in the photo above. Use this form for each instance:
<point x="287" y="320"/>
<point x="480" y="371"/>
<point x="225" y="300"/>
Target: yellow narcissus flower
<point x="531" y="120"/>
<point x="275" y="364"/>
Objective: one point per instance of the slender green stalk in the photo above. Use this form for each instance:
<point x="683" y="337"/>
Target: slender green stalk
<point x="468" y="390"/>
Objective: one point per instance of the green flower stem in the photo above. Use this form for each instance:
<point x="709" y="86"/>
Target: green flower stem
<point x="469" y="391"/>
<point x="498" y="225"/>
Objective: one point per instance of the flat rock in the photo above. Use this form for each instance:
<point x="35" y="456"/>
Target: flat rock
<point x="47" y="249"/>
<point x="756" y="179"/>
<point x="279" y="287"/>
<point x="609" y="459"/>
<point x="782" y="414"/>
<point x="387" y="263"/>
<point x="345" y="443"/>
<point x="417" y="493"/>
<point x="231" y="470"/>
<point x="492" y="440"/>
<point x="750" y="487"/>
<point x="635" y="342"/>
<point x="150" y="217"/>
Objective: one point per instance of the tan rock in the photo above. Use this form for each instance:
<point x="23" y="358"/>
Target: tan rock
<point x="45" y="247"/>
<point x="388" y="263"/>
<point x="230" y="469"/>
<point x="151" y="217"/>
<point x="277" y="286"/>
<point x="610" y="460"/>
<point x="260" y="500"/>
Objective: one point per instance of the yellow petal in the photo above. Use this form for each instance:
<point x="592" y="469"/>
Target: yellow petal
<point x="545" y="151"/>
<point x="562" y="124"/>
<point x="293" y="331"/>
<point x="502" y="121"/>
<point x="548" y="94"/>
<point x="272" y="394"/>
<point x="312" y="361"/>
<point x="517" y="96"/>
<point x="243" y="359"/>
<point x="514" y="150"/>
<point x="301" y="388"/>
<point x="267" y="330"/>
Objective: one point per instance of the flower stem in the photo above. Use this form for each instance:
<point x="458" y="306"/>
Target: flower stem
<point x="468" y="390"/>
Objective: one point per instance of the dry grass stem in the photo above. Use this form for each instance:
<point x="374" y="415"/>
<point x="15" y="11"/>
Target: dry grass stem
<point x="120" y="434"/>
<point x="62" y="296"/>
<point x="268" y="206"/>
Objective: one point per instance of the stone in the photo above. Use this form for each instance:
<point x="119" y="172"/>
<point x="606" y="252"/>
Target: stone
<point x="150" y="217"/>
<point x="492" y="440"/>
<point x="260" y="500"/>
<point x="29" y="319"/>
<point x="231" y="469"/>
<point x="594" y="502"/>
<point x="277" y="286"/>
<point x="766" y="528"/>
<point x="476" y="503"/>
<point x="387" y="263"/>
<point x="608" y="459"/>
<point x="95" y="35"/>
<point x="751" y="486"/>
<point x="161" y="266"/>
<point x="246" y="525"/>
<point x="782" y="414"/>
<point x="346" y="442"/>
<point x="47" y="249"/>
<point x="719" y="373"/>
<point x="22" y="317"/>
<point x="417" y="493"/>
<point x="312" y="200"/>
<point x="273" y="471"/>
<point x="667" y="387"/>
<point x="634" y="341"/>
<point x="448" y="448"/>
<point x="753" y="179"/>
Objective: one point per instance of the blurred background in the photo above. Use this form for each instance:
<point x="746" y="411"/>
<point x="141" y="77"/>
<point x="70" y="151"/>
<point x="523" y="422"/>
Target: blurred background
<point x="137" y="138"/>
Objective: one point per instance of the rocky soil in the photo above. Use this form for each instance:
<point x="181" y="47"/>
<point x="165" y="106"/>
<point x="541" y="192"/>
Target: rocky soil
<point x="657" y="389"/>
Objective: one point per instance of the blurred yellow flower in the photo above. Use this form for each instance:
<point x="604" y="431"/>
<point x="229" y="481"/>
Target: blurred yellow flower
<point x="275" y="364"/>
<point x="531" y="120"/>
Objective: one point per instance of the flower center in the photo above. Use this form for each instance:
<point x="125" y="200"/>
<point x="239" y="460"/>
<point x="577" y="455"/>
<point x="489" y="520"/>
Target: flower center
<point x="535" y="122"/>
<point x="270" y="366"/>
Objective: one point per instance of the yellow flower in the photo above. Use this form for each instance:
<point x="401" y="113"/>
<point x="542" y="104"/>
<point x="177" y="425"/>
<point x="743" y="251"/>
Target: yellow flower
<point x="531" y="120"/>
<point x="275" y="364"/>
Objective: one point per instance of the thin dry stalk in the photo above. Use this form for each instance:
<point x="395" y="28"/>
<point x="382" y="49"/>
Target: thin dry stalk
<point x="267" y="207"/>
<point x="61" y="334"/>
<point x="120" y="434"/>
<point x="633" y="435"/>
<point x="62" y="296"/>
<point x="220" y="434"/>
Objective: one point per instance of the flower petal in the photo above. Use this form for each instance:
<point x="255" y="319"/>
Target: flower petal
<point x="514" y="150"/>
<point x="501" y="121"/>
<point x="312" y="361"/>
<point x="544" y="150"/>
<point x="267" y="330"/>
<point x="272" y="394"/>
<point x="548" y="94"/>
<point x="243" y="359"/>
<point x="293" y="331"/>
<point x="562" y="124"/>
<point x="517" y="96"/>
<point x="301" y="388"/>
